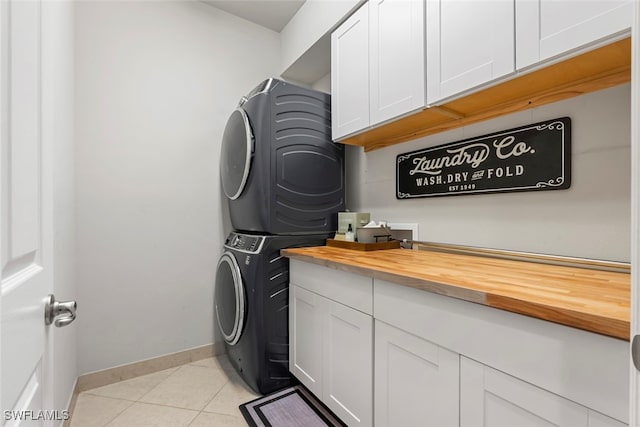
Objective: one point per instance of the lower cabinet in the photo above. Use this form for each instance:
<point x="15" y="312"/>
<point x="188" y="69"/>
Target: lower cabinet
<point x="417" y="382"/>
<point x="331" y="353"/>
<point x="490" y="398"/>
<point x="438" y="361"/>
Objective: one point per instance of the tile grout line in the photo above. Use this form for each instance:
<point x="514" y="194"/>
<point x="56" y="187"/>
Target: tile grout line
<point x="194" y="419"/>
<point x="216" y="394"/>
<point x="167" y="406"/>
<point x="119" y="413"/>
<point x="108" y="397"/>
<point x="177" y="368"/>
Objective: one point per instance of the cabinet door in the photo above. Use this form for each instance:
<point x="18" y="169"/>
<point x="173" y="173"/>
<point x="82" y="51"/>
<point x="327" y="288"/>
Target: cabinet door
<point x="490" y="398"/>
<point x="417" y="382"/>
<point x="546" y="28"/>
<point x="350" y="74"/>
<point x="348" y="366"/>
<point x="468" y="43"/>
<point x="305" y="338"/>
<point x="397" y="58"/>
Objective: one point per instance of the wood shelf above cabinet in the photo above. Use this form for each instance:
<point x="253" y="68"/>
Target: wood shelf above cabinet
<point x="598" y="69"/>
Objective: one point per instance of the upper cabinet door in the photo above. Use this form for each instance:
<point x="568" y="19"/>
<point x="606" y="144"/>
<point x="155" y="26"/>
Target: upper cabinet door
<point x="397" y="58"/>
<point x="350" y="74"/>
<point x="468" y="43"/>
<point x="546" y="28"/>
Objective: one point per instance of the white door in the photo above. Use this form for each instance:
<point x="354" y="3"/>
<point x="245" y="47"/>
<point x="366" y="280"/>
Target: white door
<point x="26" y="214"/>
<point x="417" y="382"/>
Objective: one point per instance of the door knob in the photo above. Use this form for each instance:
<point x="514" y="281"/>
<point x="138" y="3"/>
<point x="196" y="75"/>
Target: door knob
<point x="65" y="309"/>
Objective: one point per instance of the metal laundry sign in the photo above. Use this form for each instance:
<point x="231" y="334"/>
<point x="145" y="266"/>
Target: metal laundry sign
<point x="529" y="158"/>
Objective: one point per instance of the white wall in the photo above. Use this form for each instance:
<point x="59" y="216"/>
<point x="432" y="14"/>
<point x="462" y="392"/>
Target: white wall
<point x="58" y="104"/>
<point x="306" y="42"/>
<point x="324" y="84"/>
<point x="156" y="82"/>
<point x="591" y="219"/>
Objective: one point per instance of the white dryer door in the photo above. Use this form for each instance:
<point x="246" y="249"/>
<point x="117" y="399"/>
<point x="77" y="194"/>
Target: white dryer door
<point x="229" y="298"/>
<point x="235" y="158"/>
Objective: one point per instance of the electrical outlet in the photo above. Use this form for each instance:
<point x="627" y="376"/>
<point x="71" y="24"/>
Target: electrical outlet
<point x="401" y="231"/>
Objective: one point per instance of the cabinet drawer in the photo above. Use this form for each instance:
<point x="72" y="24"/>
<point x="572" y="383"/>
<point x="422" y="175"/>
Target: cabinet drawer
<point x="352" y="290"/>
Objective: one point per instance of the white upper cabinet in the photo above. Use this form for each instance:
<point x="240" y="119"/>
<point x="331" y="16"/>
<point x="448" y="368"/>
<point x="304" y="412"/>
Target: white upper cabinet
<point x="396" y="56"/>
<point x="392" y="58"/>
<point x="350" y="74"/>
<point x="377" y="65"/>
<point x="547" y="28"/>
<point x="468" y="43"/>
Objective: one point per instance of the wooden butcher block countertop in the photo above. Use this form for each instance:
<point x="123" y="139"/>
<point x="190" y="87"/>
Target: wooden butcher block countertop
<point x="593" y="300"/>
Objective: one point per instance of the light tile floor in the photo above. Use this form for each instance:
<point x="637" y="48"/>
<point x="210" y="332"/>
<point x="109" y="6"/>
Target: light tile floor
<point x="202" y="393"/>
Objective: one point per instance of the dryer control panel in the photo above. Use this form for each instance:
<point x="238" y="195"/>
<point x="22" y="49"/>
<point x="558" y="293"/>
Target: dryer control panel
<point x="244" y="242"/>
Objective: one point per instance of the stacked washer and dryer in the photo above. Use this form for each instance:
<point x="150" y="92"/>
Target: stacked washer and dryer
<point x="284" y="179"/>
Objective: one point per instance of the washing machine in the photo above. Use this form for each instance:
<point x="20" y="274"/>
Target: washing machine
<point x="279" y="168"/>
<point x="251" y="306"/>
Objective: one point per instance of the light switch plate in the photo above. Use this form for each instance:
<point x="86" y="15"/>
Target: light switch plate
<point x="403" y="230"/>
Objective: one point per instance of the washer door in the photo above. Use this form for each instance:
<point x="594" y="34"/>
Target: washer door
<point x="235" y="158"/>
<point x="229" y="298"/>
